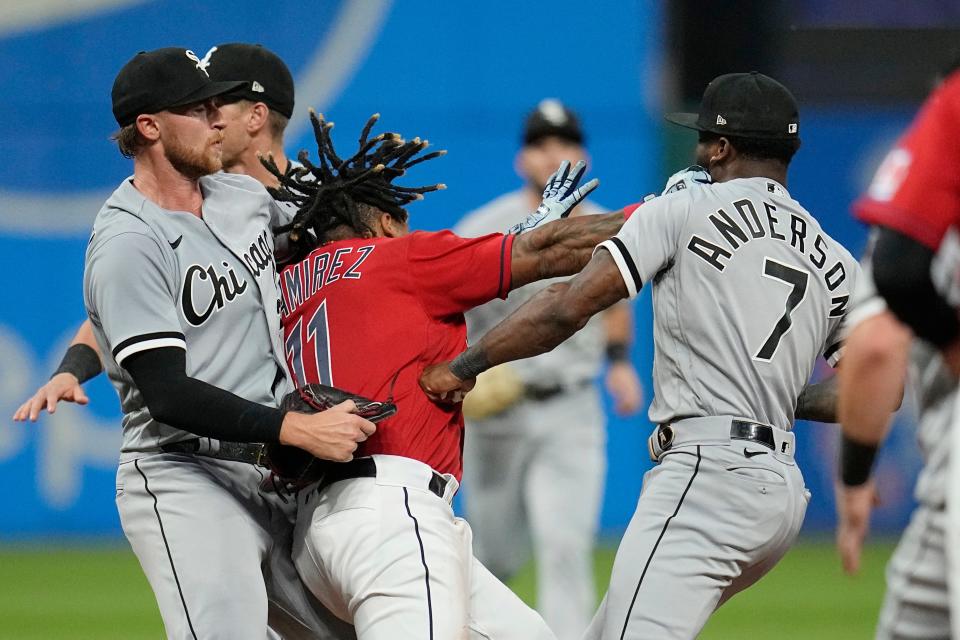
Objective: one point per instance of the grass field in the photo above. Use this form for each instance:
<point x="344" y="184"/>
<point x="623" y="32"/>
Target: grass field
<point x="98" y="593"/>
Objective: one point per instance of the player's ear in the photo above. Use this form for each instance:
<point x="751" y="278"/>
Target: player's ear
<point x="724" y="151"/>
<point x="391" y="227"/>
<point x="257" y="117"/>
<point x="148" y="126"/>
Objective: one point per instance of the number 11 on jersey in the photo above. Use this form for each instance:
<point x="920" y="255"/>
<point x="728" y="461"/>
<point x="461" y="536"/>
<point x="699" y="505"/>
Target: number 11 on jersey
<point x="316" y="340"/>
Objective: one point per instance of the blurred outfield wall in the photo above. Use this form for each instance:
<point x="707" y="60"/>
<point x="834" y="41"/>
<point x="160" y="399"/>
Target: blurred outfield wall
<point x="460" y="74"/>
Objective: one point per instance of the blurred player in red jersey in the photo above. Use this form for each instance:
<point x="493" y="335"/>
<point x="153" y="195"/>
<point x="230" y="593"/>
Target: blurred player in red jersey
<point x="368" y="306"/>
<point x="913" y="204"/>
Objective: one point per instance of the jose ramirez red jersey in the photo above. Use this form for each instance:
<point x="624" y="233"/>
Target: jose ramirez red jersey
<point x="916" y="190"/>
<point x="363" y="312"/>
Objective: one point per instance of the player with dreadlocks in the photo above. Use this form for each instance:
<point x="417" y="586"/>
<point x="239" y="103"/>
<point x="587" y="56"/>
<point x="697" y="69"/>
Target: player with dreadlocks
<point x="368" y="305"/>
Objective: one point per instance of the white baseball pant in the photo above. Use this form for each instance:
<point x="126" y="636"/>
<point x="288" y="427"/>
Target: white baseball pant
<point x="387" y="555"/>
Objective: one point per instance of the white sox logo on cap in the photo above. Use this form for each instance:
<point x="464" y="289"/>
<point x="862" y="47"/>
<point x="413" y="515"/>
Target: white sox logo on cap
<point x="201" y="64"/>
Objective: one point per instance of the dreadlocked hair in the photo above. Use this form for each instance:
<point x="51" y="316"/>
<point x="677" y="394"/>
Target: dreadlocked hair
<point x="337" y="192"/>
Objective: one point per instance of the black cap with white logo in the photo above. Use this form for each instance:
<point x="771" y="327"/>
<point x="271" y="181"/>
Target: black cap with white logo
<point x="748" y="105"/>
<point x="552" y="118"/>
<point x="267" y="78"/>
<point x="156" y="80"/>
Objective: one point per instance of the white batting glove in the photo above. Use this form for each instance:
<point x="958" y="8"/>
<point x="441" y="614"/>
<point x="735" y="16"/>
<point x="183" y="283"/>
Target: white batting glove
<point x="560" y="196"/>
<point x="685" y="178"/>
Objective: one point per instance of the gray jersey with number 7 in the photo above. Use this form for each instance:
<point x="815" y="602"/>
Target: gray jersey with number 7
<point x="748" y="291"/>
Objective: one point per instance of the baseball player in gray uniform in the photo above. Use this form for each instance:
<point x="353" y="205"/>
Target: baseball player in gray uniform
<point x="255" y="116"/>
<point x="179" y="276"/>
<point x="878" y="353"/>
<point x="748" y="291"/>
<point x="534" y="471"/>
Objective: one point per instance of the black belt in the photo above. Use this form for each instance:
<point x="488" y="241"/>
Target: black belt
<point x="540" y="393"/>
<point x="367" y="468"/>
<point x="248" y="452"/>
<point x="759" y="433"/>
<point x="739" y="430"/>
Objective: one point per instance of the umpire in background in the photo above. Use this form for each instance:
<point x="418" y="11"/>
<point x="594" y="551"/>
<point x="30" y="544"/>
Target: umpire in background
<point x="539" y="462"/>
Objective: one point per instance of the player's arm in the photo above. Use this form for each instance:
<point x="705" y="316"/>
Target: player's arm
<point x="871" y="378"/>
<point x="645" y="246"/>
<point x="80" y="363"/>
<point x="902" y="270"/>
<point x="548" y="243"/>
<point x="621" y="380"/>
<point x="178" y="400"/>
<point x="560" y="248"/>
<point x="546" y="320"/>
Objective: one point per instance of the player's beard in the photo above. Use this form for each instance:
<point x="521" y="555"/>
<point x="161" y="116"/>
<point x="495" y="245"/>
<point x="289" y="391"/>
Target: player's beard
<point x="194" y="161"/>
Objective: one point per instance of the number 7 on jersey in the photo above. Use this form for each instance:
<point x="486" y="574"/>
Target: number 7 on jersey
<point x="797" y="279"/>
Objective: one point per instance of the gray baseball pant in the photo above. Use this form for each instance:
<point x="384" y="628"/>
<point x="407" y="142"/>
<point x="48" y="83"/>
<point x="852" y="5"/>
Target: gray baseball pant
<point x="916" y="605"/>
<point x="216" y="550"/>
<point x="713" y="517"/>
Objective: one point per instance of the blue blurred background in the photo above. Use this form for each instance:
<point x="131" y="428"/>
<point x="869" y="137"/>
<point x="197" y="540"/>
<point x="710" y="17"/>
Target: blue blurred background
<point x="460" y="74"/>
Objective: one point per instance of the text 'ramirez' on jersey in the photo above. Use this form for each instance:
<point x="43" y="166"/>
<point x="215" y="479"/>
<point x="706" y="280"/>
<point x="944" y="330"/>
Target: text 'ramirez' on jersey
<point x="748" y="291"/>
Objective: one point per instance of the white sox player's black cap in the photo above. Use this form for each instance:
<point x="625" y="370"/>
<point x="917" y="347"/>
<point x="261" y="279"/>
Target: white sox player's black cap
<point x="552" y="118"/>
<point x="748" y="105"/>
<point x="156" y="80"/>
<point x="267" y="77"/>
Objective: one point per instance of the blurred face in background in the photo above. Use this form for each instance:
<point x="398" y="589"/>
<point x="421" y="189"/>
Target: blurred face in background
<point x="536" y="162"/>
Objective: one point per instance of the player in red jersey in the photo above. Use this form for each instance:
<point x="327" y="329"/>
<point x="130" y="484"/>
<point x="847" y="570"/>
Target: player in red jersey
<point x="913" y="201"/>
<point x="913" y="204"/>
<point x="368" y="306"/>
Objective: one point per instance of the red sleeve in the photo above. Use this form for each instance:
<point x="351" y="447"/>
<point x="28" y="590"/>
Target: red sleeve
<point x="916" y="190"/>
<point x="454" y="274"/>
<point x="629" y="209"/>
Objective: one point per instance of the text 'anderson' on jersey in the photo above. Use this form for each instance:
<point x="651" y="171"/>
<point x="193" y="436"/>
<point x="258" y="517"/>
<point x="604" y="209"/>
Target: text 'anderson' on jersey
<point x="748" y="291"/>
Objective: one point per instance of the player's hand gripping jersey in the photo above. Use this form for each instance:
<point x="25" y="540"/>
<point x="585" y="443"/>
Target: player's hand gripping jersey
<point x="368" y="314"/>
<point x="748" y="286"/>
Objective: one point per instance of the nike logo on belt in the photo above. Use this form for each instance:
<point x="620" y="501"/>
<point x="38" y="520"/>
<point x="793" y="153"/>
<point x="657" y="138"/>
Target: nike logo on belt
<point x="176" y="243"/>
<point x="752" y="454"/>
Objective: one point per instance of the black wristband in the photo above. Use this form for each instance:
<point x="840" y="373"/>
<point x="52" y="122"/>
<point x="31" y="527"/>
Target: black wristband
<point x="856" y="461"/>
<point x="469" y="364"/>
<point x="617" y="352"/>
<point x="81" y="361"/>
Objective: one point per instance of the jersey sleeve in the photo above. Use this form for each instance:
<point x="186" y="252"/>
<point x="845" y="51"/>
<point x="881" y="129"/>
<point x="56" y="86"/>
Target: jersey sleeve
<point x="131" y="295"/>
<point x="648" y="240"/>
<point x="863" y="304"/>
<point x="453" y="274"/>
<point x="916" y="190"/>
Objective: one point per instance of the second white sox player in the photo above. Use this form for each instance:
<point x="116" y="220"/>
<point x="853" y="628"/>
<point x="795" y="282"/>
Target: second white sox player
<point x="534" y="471"/>
<point x="748" y="291"/>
